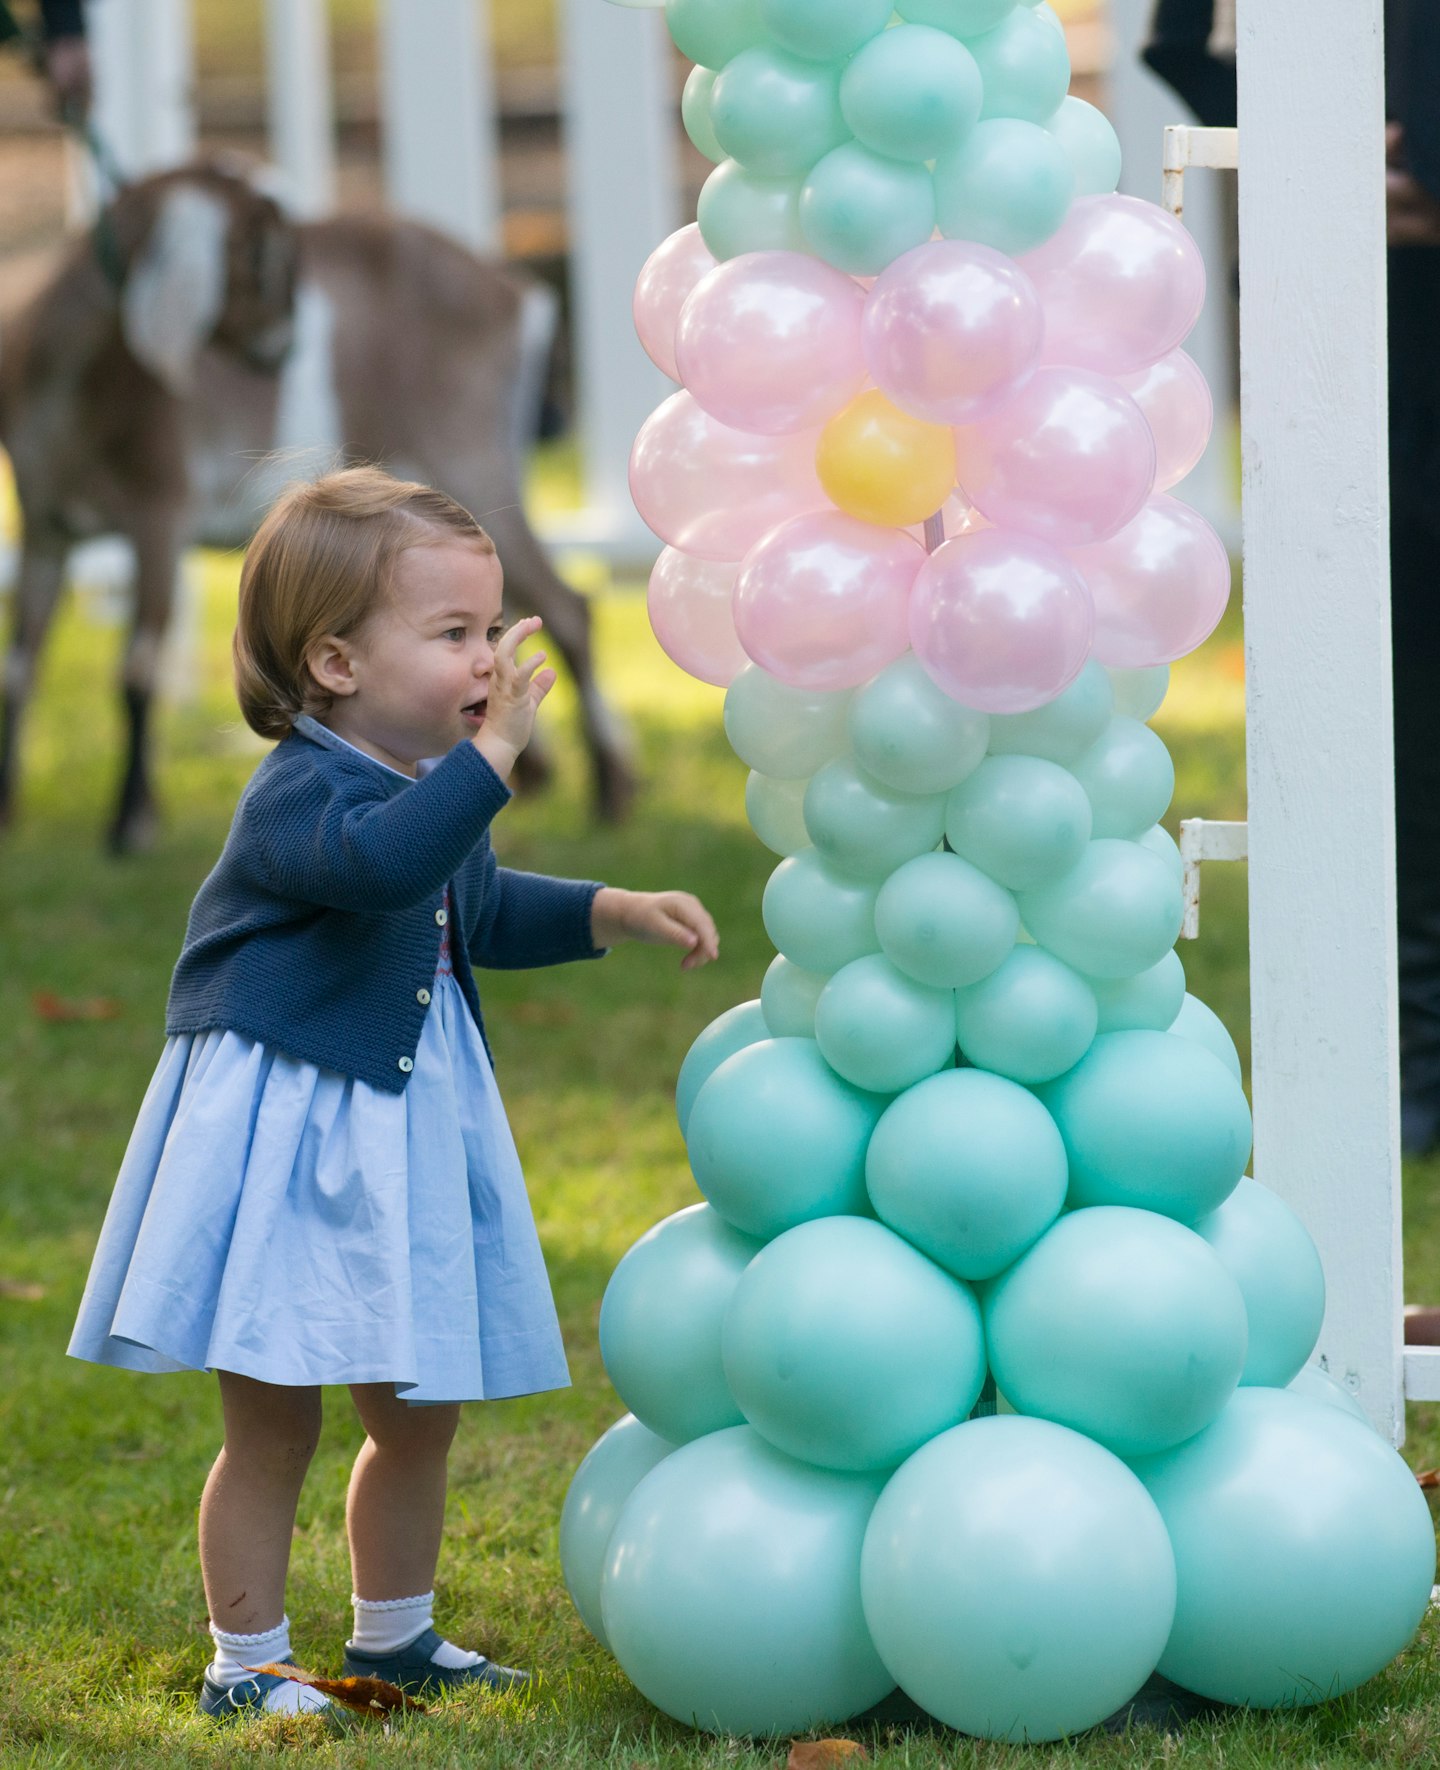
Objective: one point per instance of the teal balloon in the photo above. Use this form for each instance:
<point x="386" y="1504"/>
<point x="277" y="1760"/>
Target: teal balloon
<point x="740" y="211"/>
<point x="912" y="93"/>
<point x="712" y="31"/>
<point x="970" y="1168"/>
<point x="1020" y="819"/>
<point x="695" y="113"/>
<point x="943" y="922"/>
<point x="1120" y="1324"/>
<point x="1304" y="1552"/>
<point x="847" y="1348"/>
<point x="823" y="30"/>
<point x="776" y="810"/>
<point x="731" y="1594"/>
<point x="1128" y="777"/>
<point x="1090" y="141"/>
<point x="612" y="1470"/>
<point x="782" y="731"/>
<point x="962" y="18"/>
<point x="1197" y="1021"/>
<point x="1008" y="185"/>
<point x="865" y="828"/>
<point x="776" y="114"/>
<point x="1159" y="841"/>
<point x="880" y="1029"/>
<point x="1017" y="1580"/>
<point x="1115" y="913"/>
<point x="1031" y="1019"/>
<point x="1140" y="693"/>
<point x="820" y="919"/>
<point x="777" y="1138"/>
<point x="1267" y="1250"/>
<point x="1151" y="999"/>
<point x="788" y="996"/>
<point x="1313" y="1384"/>
<point x="1025" y="66"/>
<point x="730" y="1032"/>
<point x="859" y="210"/>
<point x="910" y="735"/>
<point x="660" y="1323"/>
<point x="1063" y="729"/>
<point x="1152" y="1121"/>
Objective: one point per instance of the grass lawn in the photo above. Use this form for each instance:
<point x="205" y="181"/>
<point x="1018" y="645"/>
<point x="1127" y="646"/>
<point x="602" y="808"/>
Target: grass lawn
<point x="101" y="1612"/>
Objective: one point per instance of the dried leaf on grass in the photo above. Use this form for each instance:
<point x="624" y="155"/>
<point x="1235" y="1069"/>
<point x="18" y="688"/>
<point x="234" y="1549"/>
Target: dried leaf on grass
<point x="20" y="1290"/>
<point x="822" y="1754"/>
<point x="48" y="1006"/>
<point x="1428" y="1477"/>
<point x="367" y="1696"/>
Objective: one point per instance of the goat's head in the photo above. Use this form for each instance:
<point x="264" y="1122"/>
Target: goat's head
<point x="205" y="259"/>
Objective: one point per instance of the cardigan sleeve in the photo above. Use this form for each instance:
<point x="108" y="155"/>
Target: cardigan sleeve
<point x="328" y="839"/>
<point x="530" y="919"/>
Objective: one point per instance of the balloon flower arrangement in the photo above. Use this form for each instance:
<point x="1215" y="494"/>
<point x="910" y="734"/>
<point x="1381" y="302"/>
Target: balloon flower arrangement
<point x="980" y="1372"/>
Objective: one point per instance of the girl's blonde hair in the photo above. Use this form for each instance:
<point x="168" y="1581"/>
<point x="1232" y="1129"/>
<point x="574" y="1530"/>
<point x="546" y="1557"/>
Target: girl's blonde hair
<point x="321" y="562"/>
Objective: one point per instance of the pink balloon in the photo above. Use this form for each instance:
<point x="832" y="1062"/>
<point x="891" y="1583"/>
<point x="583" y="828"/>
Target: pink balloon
<point x="1069" y="459"/>
<point x="669" y="274"/>
<point x="713" y="491"/>
<point x="949" y="329"/>
<point x="820" y="602"/>
<point x="1121" y="282"/>
<point x="1000" y="621"/>
<point x="770" y="342"/>
<point x="689" y="604"/>
<point x="1159" y="586"/>
<point x="1176" y="402"/>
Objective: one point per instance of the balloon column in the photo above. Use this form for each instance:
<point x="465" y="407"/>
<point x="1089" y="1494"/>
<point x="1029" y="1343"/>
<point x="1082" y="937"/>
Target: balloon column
<point x="970" y="1375"/>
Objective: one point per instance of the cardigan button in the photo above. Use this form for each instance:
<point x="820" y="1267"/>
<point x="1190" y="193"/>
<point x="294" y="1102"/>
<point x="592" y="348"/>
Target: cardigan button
<point x="441" y="918"/>
<point x="422" y="996"/>
<point x="407" y="1064"/>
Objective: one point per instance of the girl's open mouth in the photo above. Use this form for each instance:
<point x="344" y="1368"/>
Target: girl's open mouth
<point x="474" y="714"/>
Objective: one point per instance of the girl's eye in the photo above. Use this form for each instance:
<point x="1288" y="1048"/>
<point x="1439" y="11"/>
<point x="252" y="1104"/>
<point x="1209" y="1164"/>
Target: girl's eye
<point x="495" y="635"/>
<point x="453" y="633"/>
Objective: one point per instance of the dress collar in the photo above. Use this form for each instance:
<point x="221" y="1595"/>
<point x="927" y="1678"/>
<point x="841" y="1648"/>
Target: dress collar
<point x="322" y="734"/>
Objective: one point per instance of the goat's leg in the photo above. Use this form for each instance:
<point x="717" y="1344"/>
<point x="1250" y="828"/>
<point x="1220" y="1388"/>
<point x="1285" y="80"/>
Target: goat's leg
<point x="37" y="594"/>
<point x="156" y="542"/>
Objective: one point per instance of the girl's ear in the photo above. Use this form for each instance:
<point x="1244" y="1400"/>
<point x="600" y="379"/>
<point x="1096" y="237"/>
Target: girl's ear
<point x="331" y="662"/>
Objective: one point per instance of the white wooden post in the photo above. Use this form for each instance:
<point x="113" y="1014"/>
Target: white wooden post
<point x="300" y="103"/>
<point x="437" y="103"/>
<point x="141" y="52"/>
<point x="1317" y="643"/>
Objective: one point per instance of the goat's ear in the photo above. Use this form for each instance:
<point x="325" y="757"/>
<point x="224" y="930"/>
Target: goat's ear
<point x="175" y="291"/>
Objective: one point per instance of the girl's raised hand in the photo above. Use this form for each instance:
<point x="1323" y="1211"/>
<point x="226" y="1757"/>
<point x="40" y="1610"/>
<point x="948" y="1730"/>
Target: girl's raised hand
<point x="516" y="690"/>
<point x="665" y="918"/>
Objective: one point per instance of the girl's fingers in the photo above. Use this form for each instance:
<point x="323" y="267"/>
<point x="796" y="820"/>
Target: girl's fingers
<point x="542" y="685"/>
<point x="515" y="637"/>
<point x="528" y="666"/>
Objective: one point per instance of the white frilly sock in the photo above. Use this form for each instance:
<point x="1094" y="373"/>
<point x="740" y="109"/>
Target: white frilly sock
<point x="238" y="1657"/>
<point x="385" y="1625"/>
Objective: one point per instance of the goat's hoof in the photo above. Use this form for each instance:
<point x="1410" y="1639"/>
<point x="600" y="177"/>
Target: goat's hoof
<point x="133" y="833"/>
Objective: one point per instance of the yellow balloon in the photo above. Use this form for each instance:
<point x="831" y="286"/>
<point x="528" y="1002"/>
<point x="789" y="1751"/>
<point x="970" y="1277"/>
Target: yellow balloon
<point x="880" y="464"/>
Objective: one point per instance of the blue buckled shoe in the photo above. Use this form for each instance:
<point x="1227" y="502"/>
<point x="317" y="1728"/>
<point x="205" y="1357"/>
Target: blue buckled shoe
<point x="227" y="1702"/>
<point x="413" y="1669"/>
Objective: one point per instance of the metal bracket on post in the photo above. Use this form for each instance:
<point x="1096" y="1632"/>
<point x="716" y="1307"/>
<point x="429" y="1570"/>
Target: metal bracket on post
<point x="1185" y="146"/>
<point x="1207" y="839"/>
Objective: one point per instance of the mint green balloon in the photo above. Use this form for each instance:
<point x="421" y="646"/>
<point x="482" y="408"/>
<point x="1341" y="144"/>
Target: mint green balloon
<point x="818" y="918"/>
<point x="1119" y="1324"/>
<point x="613" y="1468"/>
<point x="731" y="1595"/>
<point x="776" y="1138"/>
<point x="1128" y="778"/>
<point x="1025" y="66"/>
<point x="910" y="734"/>
<point x="695" y="112"/>
<point x="880" y="1029"/>
<point x="782" y="731"/>
<point x="1116" y="912"/>
<point x="962" y="18"/>
<point x="660" y="1323"/>
<point x="1090" y="141"/>
<point x="740" y="211"/>
<point x="943" y="922"/>
<point x="913" y="93"/>
<point x="859" y="210"/>
<point x="970" y="1168"/>
<point x="1152" y="1121"/>
<point x="1197" y="1021"/>
<point x="1291" y="1588"/>
<point x="1313" y="1384"/>
<point x="1149" y="999"/>
<point x="776" y="114"/>
<point x="1020" y="819"/>
<point x="1267" y="1250"/>
<point x="847" y="1348"/>
<point x="1063" y="729"/>
<point x="823" y="30"/>
<point x="711" y="31"/>
<point x="776" y="810"/>
<point x="1139" y="693"/>
<point x="1017" y="1580"/>
<point x="732" y="1031"/>
<point x="1008" y="186"/>
<point x="1030" y="1020"/>
<point x="865" y="828"/>
<point x="1160" y="841"/>
<point x="788" y="995"/>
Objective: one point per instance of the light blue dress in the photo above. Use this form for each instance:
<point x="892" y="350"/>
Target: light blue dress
<point x="300" y="1227"/>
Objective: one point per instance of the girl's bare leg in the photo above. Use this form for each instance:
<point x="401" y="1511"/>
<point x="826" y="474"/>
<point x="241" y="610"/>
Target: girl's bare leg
<point x="395" y="1512"/>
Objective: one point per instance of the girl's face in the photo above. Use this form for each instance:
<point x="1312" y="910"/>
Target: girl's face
<point x="416" y="678"/>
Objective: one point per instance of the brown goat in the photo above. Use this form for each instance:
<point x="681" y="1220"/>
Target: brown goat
<point x="195" y="331"/>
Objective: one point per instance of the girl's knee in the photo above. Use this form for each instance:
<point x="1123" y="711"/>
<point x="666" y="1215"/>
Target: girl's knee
<point x="272" y="1425"/>
<point x="393" y="1424"/>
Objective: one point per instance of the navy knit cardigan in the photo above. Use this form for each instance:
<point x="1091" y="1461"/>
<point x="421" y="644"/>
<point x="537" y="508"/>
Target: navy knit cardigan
<point x="319" y="928"/>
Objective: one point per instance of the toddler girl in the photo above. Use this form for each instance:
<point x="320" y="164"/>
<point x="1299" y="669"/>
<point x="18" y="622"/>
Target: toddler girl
<point x="321" y="1186"/>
